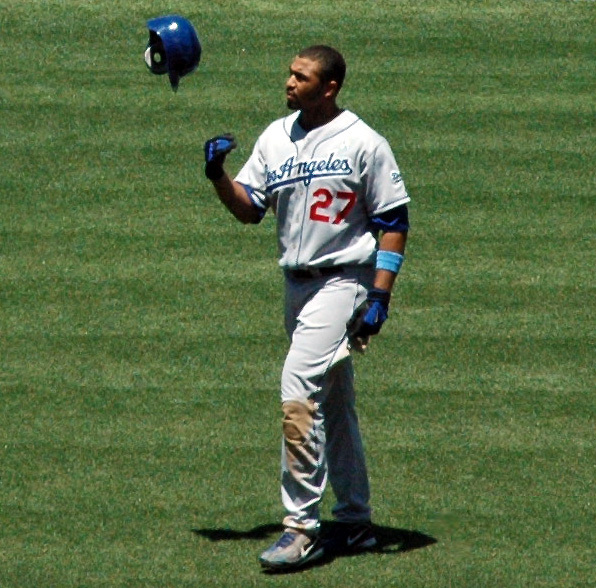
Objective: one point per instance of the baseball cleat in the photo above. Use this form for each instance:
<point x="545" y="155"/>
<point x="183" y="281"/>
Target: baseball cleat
<point x="292" y="550"/>
<point x="351" y="538"/>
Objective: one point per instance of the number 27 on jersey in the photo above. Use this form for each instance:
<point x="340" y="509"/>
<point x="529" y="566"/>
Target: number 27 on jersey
<point x="323" y="210"/>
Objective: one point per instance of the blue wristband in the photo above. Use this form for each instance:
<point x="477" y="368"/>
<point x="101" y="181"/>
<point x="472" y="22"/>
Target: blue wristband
<point x="389" y="260"/>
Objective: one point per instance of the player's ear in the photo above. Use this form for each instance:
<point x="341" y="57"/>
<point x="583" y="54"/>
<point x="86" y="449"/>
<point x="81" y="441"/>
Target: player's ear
<point x="332" y="89"/>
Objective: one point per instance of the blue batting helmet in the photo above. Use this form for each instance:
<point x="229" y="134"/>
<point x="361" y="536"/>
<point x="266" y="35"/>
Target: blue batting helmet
<point x="174" y="47"/>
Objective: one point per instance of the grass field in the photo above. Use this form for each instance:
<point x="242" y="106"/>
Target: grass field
<point x="141" y="337"/>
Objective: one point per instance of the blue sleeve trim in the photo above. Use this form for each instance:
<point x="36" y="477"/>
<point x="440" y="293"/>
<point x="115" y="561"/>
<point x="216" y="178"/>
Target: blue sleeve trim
<point x="395" y="220"/>
<point x="255" y="202"/>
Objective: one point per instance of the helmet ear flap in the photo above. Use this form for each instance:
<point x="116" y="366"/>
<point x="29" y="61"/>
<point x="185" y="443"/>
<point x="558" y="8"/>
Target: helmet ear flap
<point x="155" y="55"/>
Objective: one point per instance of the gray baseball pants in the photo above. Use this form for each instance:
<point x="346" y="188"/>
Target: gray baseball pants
<point x="321" y="436"/>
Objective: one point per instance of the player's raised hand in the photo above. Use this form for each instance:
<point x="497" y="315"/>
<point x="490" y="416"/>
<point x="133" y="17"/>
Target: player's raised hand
<point x="216" y="150"/>
<point x="368" y="318"/>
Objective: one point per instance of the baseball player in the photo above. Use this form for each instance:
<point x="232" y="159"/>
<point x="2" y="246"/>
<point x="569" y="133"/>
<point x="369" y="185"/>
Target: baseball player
<point x="342" y="222"/>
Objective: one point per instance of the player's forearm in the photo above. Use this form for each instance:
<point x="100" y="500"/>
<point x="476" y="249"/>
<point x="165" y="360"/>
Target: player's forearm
<point x="235" y="199"/>
<point x="394" y="242"/>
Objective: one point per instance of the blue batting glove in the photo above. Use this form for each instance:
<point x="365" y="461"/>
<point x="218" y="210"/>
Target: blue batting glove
<point x="369" y="317"/>
<point x="216" y="150"/>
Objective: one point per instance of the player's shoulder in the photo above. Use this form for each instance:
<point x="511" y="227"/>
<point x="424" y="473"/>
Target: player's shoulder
<point x="279" y="128"/>
<point x="362" y="127"/>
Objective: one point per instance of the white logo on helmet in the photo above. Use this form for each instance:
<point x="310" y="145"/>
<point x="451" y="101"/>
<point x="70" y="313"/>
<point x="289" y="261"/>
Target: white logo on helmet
<point x="173" y="26"/>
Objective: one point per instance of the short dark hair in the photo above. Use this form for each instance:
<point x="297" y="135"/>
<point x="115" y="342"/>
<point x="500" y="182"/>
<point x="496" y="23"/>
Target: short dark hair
<point x="333" y="65"/>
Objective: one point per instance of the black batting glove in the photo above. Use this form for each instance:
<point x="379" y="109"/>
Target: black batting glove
<point x="216" y="150"/>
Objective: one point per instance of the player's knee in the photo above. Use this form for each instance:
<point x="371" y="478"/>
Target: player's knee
<point x="298" y="420"/>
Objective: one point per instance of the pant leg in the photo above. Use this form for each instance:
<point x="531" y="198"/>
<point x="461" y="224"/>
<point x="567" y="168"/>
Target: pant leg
<point x="304" y="471"/>
<point x="344" y="449"/>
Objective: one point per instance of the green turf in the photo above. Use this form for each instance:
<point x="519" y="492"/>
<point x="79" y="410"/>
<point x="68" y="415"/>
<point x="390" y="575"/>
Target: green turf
<point x="141" y="338"/>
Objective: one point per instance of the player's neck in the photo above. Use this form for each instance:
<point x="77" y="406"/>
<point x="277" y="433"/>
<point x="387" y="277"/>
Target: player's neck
<point x="312" y="119"/>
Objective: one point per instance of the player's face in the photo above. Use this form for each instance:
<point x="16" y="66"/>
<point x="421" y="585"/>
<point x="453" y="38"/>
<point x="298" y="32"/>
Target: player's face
<point x="304" y="88"/>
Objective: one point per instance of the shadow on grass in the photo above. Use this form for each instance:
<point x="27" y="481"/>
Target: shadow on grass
<point x="389" y="539"/>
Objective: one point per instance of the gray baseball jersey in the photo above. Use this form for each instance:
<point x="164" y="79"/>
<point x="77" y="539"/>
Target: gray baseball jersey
<point x="324" y="186"/>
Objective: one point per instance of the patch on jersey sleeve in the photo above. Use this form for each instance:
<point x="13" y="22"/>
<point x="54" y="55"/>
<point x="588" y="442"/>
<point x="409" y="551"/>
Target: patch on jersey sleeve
<point x="396" y="177"/>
